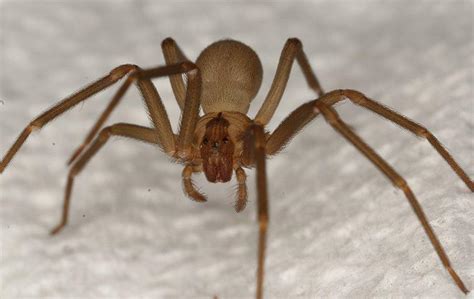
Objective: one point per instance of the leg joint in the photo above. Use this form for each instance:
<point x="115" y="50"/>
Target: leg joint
<point x="259" y="136"/>
<point x="400" y="183"/>
<point x="167" y="42"/>
<point x="105" y="133"/>
<point x="34" y="126"/>
<point x="423" y="132"/>
<point x="354" y="96"/>
<point x="190" y="68"/>
<point x="292" y="47"/>
<point x="75" y="169"/>
<point x="295" y="42"/>
<point x="122" y="70"/>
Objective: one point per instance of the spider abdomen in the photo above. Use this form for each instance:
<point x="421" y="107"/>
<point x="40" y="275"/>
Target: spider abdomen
<point x="231" y="76"/>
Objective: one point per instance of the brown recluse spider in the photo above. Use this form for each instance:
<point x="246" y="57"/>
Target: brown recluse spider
<point x="223" y="81"/>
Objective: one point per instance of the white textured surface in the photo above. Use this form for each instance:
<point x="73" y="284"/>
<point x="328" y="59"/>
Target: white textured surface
<point x="338" y="228"/>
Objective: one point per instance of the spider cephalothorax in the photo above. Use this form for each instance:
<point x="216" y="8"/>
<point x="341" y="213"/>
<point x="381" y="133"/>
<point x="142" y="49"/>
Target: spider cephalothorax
<point x="223" y="82"/>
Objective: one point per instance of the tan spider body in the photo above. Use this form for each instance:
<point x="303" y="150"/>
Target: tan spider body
<point x="224" y="80"/>
<point x="231" y="75"/>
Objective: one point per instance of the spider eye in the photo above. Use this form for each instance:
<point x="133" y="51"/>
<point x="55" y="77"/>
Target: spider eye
<point x="205" y="141"/>
<point x="225" y="140"/>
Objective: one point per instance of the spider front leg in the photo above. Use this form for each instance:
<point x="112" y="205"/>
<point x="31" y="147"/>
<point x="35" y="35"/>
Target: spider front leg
<point x="255" y="152"/>
<point x="363" y="101"/>
<point x="305" y="113"/>
<point x="293" y="50"/>
<point x="162" y="127"/>
<point x="308" y="111"/>
<point x="173" y="55"/>
<point x="152" y="99"/>
<point x="64" y="105"/>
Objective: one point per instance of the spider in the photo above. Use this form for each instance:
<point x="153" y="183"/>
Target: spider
<point x="223" y="81"/>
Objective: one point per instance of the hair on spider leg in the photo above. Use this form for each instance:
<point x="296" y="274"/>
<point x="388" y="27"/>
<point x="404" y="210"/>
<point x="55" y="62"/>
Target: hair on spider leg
<point x="240" y="200"/>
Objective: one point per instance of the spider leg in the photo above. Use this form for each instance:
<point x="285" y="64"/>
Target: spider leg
<point x="173" y="55"/>
<point x="64" y="105"/>
<point x="361" y="100"/>
<point x="155" y="106"/>
<point x="241" y="200"/>
<point x="121" y="129"/>
<point x="192" y="103"/>
<point x="102" y="119"/>
<point x="290" y="126"/>
<point x="255" y="145"/>
<point x="292" y="50"/>
<point x="189" y="187"/>
<point x="305" y="113"/>
<point x="333" y="119"/>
